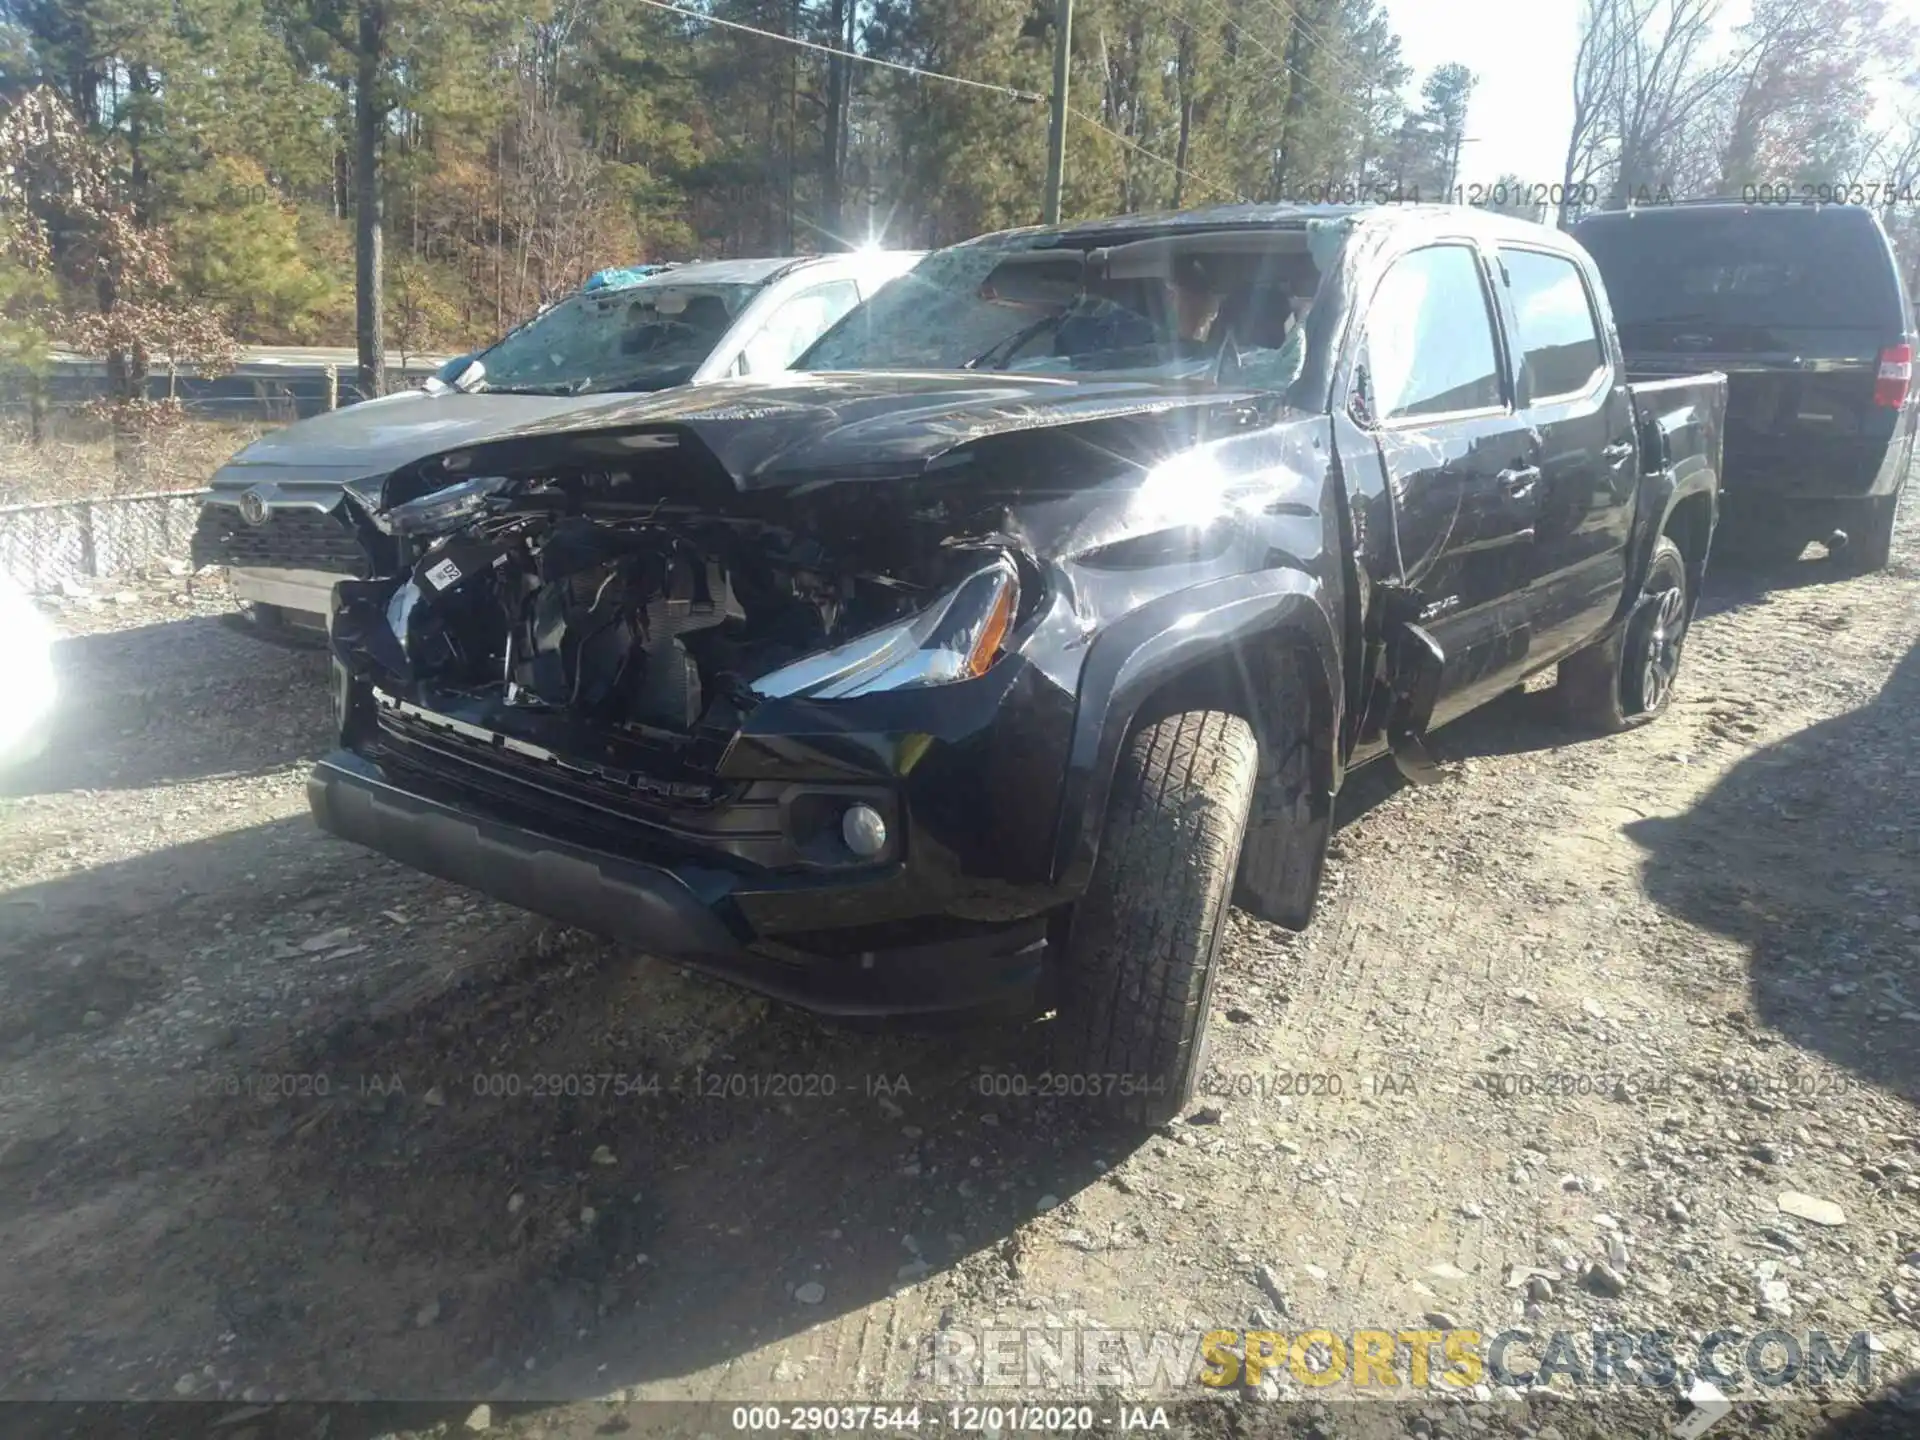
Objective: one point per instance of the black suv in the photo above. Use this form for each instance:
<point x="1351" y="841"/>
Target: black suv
<point x="1804" y="309"/>
<point x="989" y="660"/>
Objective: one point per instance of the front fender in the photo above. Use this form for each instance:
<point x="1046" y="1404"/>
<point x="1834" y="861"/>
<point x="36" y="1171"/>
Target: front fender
<point x="1166" y="639"/>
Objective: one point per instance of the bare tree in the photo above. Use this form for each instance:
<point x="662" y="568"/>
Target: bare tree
<point x="84" y="268"/>
<point x="1596" y="78"/>
<point x="556" y="195"/>
<point x="1643" y="84"/>
<point x="1893" y="162"/>
<point x="1665" y="81"/>
<point x="1801" y="85"/>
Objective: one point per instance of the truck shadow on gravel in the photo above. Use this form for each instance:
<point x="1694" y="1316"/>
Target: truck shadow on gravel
<point x="1807" y="852"/>
<point x="1519" y="723"/>
<point x="179" y="700"/>
<point x="1734" y="584"/>
<point x="563" y="1170"/>
<point x="88" y="949"/>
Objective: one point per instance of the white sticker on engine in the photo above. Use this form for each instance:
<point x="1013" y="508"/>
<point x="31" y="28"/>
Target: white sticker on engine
<point x="443" y="574"/>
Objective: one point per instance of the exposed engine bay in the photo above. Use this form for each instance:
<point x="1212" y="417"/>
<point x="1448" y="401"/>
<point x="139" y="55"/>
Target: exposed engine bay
<point x="571" y="598"/>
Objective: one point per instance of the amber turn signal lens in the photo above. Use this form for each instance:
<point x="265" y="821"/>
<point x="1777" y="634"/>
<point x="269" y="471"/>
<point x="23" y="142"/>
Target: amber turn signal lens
<point x="993" y="635"/>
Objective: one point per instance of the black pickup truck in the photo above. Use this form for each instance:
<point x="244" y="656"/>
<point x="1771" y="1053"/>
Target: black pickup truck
<point x="988" y="660"/>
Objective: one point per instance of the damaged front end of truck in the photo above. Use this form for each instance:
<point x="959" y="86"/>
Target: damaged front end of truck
<point x="821" y="731"/>
<point x="646" y="631"/>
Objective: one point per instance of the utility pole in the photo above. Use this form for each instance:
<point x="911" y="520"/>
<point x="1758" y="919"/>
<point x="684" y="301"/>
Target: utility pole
<point x="369" y="123"/>
<point x="1057" y="124"/>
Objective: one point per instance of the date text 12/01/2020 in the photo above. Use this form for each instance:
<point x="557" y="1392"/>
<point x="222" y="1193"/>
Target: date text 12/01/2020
<point x="1582" y="196"/>
<point x="960" y="1418"/>
<point x="699" y="1084"/>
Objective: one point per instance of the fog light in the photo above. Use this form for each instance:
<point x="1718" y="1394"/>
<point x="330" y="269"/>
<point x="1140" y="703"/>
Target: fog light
<point x="864" y="831"/>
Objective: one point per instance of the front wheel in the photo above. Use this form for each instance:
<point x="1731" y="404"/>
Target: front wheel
<point x="1144" y="940"/>
<point x="1627" y="679"/>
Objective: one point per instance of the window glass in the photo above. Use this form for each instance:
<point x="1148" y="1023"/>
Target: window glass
<point x="650" y="336"/>
<point x="1822" y="267"/>
<point x="1430" y="347"/>
<point x="1557" y="331"/>
<point x="1165" y="306"/>
<point x="795" y="326"/>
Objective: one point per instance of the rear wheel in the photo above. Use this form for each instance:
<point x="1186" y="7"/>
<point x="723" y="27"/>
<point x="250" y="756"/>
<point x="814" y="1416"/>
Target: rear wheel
<point x="1627" y="679"/>
<point x="1144" y="940"/>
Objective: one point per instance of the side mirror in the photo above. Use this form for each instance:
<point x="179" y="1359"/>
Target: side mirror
<point x="460" y="373"/>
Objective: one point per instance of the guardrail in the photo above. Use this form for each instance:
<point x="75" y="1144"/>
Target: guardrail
<point x="274" y="386"/>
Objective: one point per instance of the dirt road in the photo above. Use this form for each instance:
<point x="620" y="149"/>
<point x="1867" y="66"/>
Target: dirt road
<point x="282" y="1121"/>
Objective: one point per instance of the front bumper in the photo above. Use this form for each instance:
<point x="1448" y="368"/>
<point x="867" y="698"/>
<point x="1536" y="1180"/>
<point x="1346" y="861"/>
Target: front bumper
<point x="692" y="914"/>
<point x="305" y="596"/>
<point x="287" y="562"/>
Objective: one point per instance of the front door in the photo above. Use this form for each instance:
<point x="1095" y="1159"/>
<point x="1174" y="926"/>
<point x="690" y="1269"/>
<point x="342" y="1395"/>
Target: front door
<point x="1462" y="464"/>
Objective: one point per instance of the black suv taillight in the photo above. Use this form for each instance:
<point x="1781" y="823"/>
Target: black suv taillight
<point x="1896" y="377"/>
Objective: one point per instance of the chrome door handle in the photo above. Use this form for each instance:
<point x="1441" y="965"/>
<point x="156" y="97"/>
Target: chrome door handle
<point x="1615" y="453"/>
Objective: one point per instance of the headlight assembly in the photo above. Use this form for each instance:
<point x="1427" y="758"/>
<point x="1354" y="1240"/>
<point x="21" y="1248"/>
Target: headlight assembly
<point x="955" y="638"/>
<point x="441" y="509"/>
<point x="400" y="612"/>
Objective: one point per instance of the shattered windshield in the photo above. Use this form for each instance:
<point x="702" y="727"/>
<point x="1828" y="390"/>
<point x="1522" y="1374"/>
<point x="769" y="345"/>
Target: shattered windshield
<point x="647" y="337"/>
<point x="1185" y="307"/>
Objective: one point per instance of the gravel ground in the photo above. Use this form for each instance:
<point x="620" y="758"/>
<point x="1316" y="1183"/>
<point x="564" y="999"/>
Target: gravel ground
<point x="1616" y="1034"/>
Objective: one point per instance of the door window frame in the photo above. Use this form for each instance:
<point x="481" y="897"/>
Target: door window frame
<point x="1603" y="375"/>
<point x="1502" y="357"/>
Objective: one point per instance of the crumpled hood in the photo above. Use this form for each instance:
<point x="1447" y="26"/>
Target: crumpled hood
<point x="376" y="437"/>
<point x="791" y="429"/>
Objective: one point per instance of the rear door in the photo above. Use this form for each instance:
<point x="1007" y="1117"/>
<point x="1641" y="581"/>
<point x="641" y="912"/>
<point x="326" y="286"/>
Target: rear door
<point x="1797" y="304"/>
<point x="1436" y="388"/>
<point x="1571" y="394"/>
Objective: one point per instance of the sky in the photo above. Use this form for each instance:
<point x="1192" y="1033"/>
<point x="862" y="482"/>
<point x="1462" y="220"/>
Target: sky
<point x="1522" y="51"/>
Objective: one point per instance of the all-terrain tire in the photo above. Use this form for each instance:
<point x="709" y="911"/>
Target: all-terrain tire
<point x="1869" y="547"/>
<point x="1600" y="688"/>
<point x="1287" y="827"/>
<point x="1144" y="940"/>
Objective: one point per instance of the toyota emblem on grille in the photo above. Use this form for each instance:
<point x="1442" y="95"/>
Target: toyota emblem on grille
<point x="253" y="508"/>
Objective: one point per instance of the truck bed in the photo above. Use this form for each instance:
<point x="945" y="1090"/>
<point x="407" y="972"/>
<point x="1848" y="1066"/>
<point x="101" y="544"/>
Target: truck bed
<point x="1680" y="420"/>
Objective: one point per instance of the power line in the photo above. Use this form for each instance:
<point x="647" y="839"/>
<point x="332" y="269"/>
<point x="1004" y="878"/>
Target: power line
<point x="1222" y="17"/>
<point x="1211" y="184"/>
<point x="1029" y="96"/>
<point x="1024" y="95"/>
<point x="1339" y="63"/>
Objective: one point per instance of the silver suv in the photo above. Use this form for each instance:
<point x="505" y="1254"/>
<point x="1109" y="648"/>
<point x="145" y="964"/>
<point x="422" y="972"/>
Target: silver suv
<point x="277" y="515"/>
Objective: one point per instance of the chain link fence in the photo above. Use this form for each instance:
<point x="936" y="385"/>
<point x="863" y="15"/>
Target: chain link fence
<point x="53" y="544"/>
<point x="48" y="449"/>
